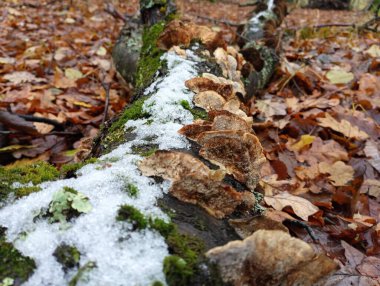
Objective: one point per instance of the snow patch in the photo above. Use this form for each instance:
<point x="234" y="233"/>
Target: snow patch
<point x="255" y="21"/>
<point x="122" y="257"/>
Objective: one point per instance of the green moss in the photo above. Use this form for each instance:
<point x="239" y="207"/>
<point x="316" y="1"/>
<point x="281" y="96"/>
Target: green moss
<point x="67" y="256"/>
<point x="13" y="265"/>
<point x="32" y="174"/>
<point x="163" y="227"/>
<point x="116" y="133"/>
<point x="132" y="190"/>
<point x="70" y="169"/>
<point x="196" y="112"/>
<point x="145" y="150"/>
<point x="177" y="271"/>
<point x="149" y="62"/>
<point x="81" y="272"/>
<point x="132" y="215"/>
<point x="157" y="283"/>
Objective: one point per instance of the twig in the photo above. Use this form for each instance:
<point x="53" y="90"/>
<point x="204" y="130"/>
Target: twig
<point x="106" y="87"/>
<point x="303" y="225"/>
<point x="234" y="24"/>
<point x="42" y="120"/>
<point x="7" y="132"/>
<point x="110" y="9"/>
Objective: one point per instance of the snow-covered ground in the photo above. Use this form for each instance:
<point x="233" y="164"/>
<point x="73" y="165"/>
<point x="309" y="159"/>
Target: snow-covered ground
<point x="122" y="256"/>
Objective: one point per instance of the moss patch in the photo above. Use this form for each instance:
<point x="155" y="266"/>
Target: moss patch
<point x="198" y="113"/>
<point x="150" y="54"/>
<point x="13" y="265"/>
<point x="67" y="256"/>
<point x="145" y="150"/>
<point x="134" y="216"/>
<point x="68" y="170"/>
<point x="81" y="273"/>
<point x="116" y="133"/>
<point x="29" y="176"/>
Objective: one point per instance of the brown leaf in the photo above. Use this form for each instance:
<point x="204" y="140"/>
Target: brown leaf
<point x="343" y="127"/>
<point x="371" y="150"/>
<point x="340" y="173"/>
<point x="301" y="207"/>
<point x="18" y="77"/>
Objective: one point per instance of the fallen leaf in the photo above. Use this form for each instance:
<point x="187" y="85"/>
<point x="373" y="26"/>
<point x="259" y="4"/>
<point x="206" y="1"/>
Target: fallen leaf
<point x="340" y="173"/>
<point x="343" y="127"/>
<point x="373" y="51"/>
<point x="271" y="108"/>
<point x="339" y="76"/>
<point x="371" y="150"/>
<point x="22" y="76"/>
<point x="74" y="74"/>
<point x="371" y="187"/>
<point x="301" y="207"/>
<point x="305" y="140"/>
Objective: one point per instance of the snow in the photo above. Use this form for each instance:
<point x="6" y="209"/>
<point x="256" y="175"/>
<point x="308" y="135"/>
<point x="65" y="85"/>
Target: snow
<point x="122" y="256"/>
<point x="255" y="21"/>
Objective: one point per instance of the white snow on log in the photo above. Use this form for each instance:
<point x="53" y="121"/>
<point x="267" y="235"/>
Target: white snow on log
<point x="122" y="256"/>
<point x="255" y="22"/>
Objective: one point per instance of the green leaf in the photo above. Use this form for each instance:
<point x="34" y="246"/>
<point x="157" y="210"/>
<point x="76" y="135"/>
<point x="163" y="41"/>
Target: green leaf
<point x="339" y="76"/>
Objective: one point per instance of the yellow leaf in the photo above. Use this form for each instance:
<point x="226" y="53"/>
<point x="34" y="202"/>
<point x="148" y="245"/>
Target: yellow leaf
<point x="339" y="76"/>
<point x="81" y="103"/>
<point x="373" y="51"/>
<point x="306" y="140"/>
<point x="101" y="51"/>
<point x="12" y="148"/>
<point x="71" y="73"/>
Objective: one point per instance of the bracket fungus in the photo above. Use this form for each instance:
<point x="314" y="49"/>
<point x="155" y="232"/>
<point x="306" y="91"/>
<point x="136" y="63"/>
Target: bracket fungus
<point x="199" y="84"/>
<point x="271" y="257"/>
<point x="195" y="183"/>
<point x="179" y="33"/>
<point x="239" y="152"/>
<point x="209" y="100"/>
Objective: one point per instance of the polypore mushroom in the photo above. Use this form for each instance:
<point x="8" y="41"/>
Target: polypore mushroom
<point x="176" y="33"/>
<point x="209" y="100"/>
<point x="192" y="131"/>
<point x="195" y="183"/>
<point x="217" y="198"/>
<point x="239" y="152"/>
<point x="233" y="106"/>
<point x="199" y="84"/>
<point x="271" y="257"/>
<point x="225" y="120"/>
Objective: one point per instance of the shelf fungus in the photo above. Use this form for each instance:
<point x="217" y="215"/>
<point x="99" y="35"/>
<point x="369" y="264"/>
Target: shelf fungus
<point x="219" y="120"/>
<point x="179" y="33"/>
<point x="209" y="100"/>
<point x="271" y="257"/>
<point x="195" y="183"/>
<point x="239" y="152"/>
<point x="199" y="84"/>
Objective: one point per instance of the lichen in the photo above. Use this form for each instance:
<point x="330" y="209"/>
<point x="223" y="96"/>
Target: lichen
<point x="13" y="265"/>
<point x="24" y="180"/>
<point x="149" y="62"/>
<point x="68" y="256"/>
<point x="198" y="113"/>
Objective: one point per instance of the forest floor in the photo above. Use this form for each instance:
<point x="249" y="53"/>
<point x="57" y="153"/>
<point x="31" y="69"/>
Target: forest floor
<point x="318" y="122"/>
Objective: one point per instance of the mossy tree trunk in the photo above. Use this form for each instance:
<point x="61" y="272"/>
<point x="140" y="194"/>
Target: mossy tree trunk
<point x="191" y="221"/>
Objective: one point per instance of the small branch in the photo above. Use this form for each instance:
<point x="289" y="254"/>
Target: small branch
<point x="106" y="87"/>
<point x="110" y="9"/>
<point x="42" y="120"/>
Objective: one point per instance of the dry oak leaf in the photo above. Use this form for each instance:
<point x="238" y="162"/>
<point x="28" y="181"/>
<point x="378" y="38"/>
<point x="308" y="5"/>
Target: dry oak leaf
<point x="271" y="257"/>
<point x="343" y="127"/>
<point x="371" y="150"/>
<point x="371" y="187"/>
<point x="322" y="151"/>
<point x="340" y="173"/>
<point x="301" y="207"/>
<point x="270" y="108"/>
<point x="239" y="152"/>
<point x="22" y="76"/>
